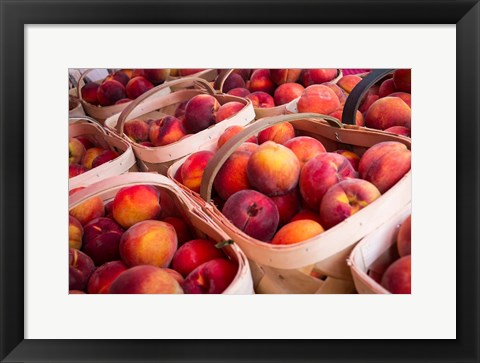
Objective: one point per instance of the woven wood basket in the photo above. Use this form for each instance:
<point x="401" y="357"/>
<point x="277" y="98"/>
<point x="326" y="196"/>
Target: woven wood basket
<point x="208" y="75"/>
<point x="374" y="253"/>
<point x="203" y="226"/>
<point x="125" y="162"/>
<point x="292" y="268"/>
<point x="149" y="106"/>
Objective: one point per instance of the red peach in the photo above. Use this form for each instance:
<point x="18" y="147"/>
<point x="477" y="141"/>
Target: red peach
<point x="228" y="110"/>
<point x="80" y="268"/>
<point x="73" y="292"/>
<point x="86" y="211"/>
<point x="89" y="93"/>
<point x="137" y="130"/>
<point x="244" y="72"/>
<point x="305" y="147"/>
<point x="318" y="99"/>
<point x="399" y="130"/>
<point x="123" y="100"/>
<point x="279" y="133"/>
<point x="169" y="206"/>
<point x="261" y="99"/>
<point x="85" y="140"/>
<point x="306" y="214"/>
<point x="103" y="276"/>
<point x="282" y="76"/>
<point x="348" y="82"/>
<point x="137" y="86"/>
<point x="104" y="157"/>
<point x="367" y="101"/>
<point x="232" y="176"/>
<point x="166" y="130"/>
<point x="194" y="253"/>
<point x="76" y="151"/>
<point x="179" y="278"/>
<point x="101" y="240"/>
<point x="353" y="158"/>
<point x="341" y="94"/>
<point x="375" y="152"/>
<point x="359" y="120"/>
<point x="387" y="112"/>
<point x="386" y="88"/>
<point x="249" y="147"/>
<point x="76" y="169"/>
<point x="181" y="229"/>
<point x="230" y="132"/>
<point x="296" y="232"/>
<point x="288" y="205"/>
<point x="406" y="97"/>
<point x="90" y="155"/>
<point x="317" y="76"/>
<point x="156" y="76"/>
<point x="260" y="80"/>
<point x="403" y="80"/>
<point x="184" y="72"/>
<point x="404" y="237"/>
<point x="239" y="92"/>
<point x="110" y="92"/>
<point x="75" y="233"/>
<point x="180" y="110"/>
<point x="193" y="168"/>
<point x="287" y="92"/>
<point x="211" y="277"/>
<point x="200" y="113"/>
<point x="234" y="80"/>
<point x="397" y="278"/>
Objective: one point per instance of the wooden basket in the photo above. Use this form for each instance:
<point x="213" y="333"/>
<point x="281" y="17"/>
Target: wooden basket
<point x="75" y="108"/>
<point x="201" y="223"/>
<point x="290" y="268"/>
<point x="149" y="106"/>
<point x="375" y="252"/>
<point x="85" y="126"/>
<point x="101" y="113"/>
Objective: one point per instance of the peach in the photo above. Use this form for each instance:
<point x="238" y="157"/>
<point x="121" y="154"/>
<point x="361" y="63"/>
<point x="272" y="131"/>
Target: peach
<point x="348" y="82"/>
<point x="85" y="140"/>
<point x="345" y="199"/>
<point x="398" y="276"/>
<point x="341" y="94"/>
<point x="287" y="92"/>
<point x="317" y="76"/>
<point x="137" y="130"/>
<point x="320" y="173"/>
<point x="89" y="93"/>
<point x="228" y="110"/>
<point x="279" y="133"/>
<point x="406" y="97"/>
<point x="181" y="229"/>
<point x="75" y="233"/>
<point x="145" y="280"/>
<point x="230" y="132"/>
<point x="359" y="120"/>
<point x="104" y="157"/>
<point x="273" y="169"/>
<point x="404" y="237"/>
<point x="103" y="276"/>
<point x="73" y="292"/>
<point x="249" y="147"/>
<point x="353" y="158"/>
<point x="76" y="151"/>
<point x="387" y="112"/>
<point x="184" y="72"/>
<point x="80" y="267"/>
<point x="306" y="214"/>
<point x="232" y="176"/>
<point x="287" y="205"/>
<point x="260" y="80"/>
<point x="156" y="76"/>
<point x="386" y="88"/>
<point x="384" y="165"/>
<point x="239" y="92"/>
<point x="194" y="253"/>
<point x="305" y="148"/>
<point x="234" y="80"/>
<point x="200" y="113"/>
<point x="137" y="86"/>
<point x="211" y="277"/>
<point x="261" y="99"/>
<point x="169" y="207"/>
<point x="403" y="80"/>
<point x="252" y="212"/>
<point x="282" y="76"/>
<point x="318" y="99"/>
<point x="76" y="169"/>
<point x="88" y="210"/>
<point x="146" y="144"/>
<point x="399" y="130"/>
<point x="179" y="278"/>
<point x="90" y="155"/>
<point x="110" y="92"/>
<point x="180" y="110"/>
<point x="148" y="242"/>
<point x="166" y="130"/>
<point x="297" y="231"/>
<point x="119" y="76"/>
<point x="101" y="240"/>
<point x="244" y="72"/>
<point x="367" y="101"/>
<point x="193" y="168"/>
<point x="122" y="100"/>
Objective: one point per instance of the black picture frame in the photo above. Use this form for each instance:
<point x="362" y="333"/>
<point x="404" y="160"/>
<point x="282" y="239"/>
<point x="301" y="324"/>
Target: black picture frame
<point x="16" y="14"/>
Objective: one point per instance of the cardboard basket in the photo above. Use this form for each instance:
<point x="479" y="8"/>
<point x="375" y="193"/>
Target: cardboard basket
<point x="149" y="105"/>
<point x="293" y="268"/>
<point x="374" y="253"/>
<point x="101" y="113"/>
<point x="125" y="162"/>
<point x="203" y="226"/>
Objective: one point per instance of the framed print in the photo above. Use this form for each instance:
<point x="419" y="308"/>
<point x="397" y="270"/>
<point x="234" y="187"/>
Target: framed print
<point x="438" y="40"/>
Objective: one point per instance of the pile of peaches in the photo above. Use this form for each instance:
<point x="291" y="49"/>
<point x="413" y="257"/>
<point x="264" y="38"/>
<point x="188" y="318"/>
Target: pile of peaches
<point x="85" y="154"/>
<point x="139" y="243"/>
<point x="281" y="188"/>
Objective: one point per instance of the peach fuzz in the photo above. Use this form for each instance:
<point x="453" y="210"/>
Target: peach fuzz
<point x="166" y="130"/>
<point x="282" y="76"/>
<point x="228" y="110"/>
<point x="137" y="130"/>
<point x="90" y="155"/>
<point x="345" y="199"/>
<point x="359" y="120"/>
<point x="261" y="99"/>
<point x="348" y="82"/>
<point x="88" y="210"/>
<point x="76" y="151"/>
<point x="200" y="113"/>
<point x="234" y="80"/>
<point x="287" y="92"/>
<point x="386" y="88"/>
<point x="397" y="278"/>
<point x="306" y="214"/>
<point x="318" y="99"/>
<point x="403" y="80"/>
<point x="230" y="132"/>
<point x="320" y="173"/>
<point x="211" y="277"/>
<point x="387" y="112"/>
<point x="137" y="86"/>
<point x="260" y="80"/>
<point x="279" y="133"/>
<point x="353" y="158"/>
<point x="399" y="130"/>
<point x="305" y="148"/>
<point x="273" y="169"/>
<point x="317" y="76"/>
<point x="103" y="276"/>
<point x="239" y="92"/>
<point x="110" y="92"/>
<point x="232" y="176"/>
<point x="182" y="229"/>
<point x="134" y="204"/>
<point x="75" y="233"/>
<point x="193" y="168"/>
<point x="149" y="243"/>
<point x="89" y="93"/>
<point x="406" y="97"/>
<point x="145" y="280"/>
<point x="253" y="213"/>
<point x="297" y="231"/>
<point x="194" y="253"/>
<point x="404" y="237"/>
<point x="287" y="205"/>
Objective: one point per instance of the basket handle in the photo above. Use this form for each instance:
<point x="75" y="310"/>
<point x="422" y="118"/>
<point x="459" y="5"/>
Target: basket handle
<point x="184" y="82"/>
<point x="353" y="100"/>
<point x="82" y="77"/>
<point x="72" y="120"/>
<point x="231" y="145"/>
<point x="221" y="78"/>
